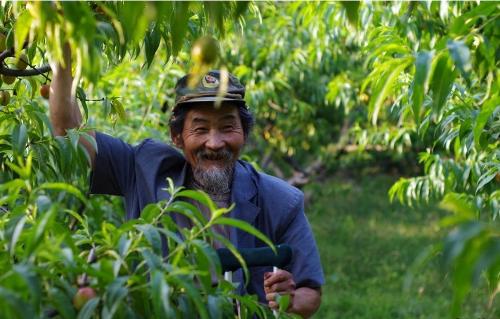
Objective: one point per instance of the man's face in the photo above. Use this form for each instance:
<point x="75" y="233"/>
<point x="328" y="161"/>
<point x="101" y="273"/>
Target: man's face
<point x="211" y="138"/>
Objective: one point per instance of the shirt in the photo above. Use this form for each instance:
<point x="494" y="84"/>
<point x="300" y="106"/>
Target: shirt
<point x="139" y="173"/>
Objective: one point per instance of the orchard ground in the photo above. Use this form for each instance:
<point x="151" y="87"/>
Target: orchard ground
<point x="367" y="247"/>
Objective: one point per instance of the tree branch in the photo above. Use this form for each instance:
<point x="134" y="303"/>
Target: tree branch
<point x="13" y="72"/>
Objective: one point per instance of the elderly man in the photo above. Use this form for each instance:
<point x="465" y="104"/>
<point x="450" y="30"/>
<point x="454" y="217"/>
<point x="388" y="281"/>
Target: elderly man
<point x="211" y="139"/>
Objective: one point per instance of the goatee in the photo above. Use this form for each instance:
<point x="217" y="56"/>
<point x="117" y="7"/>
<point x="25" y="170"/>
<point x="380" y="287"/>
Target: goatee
<point x="214" y="179"/>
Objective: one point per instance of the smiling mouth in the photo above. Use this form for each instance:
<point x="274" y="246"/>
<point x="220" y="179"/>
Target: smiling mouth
<point x="223" y="156"/>
<point x="216" y="162"/>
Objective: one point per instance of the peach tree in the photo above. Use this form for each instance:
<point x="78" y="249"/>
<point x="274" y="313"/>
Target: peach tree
<point x="64" y="254"/>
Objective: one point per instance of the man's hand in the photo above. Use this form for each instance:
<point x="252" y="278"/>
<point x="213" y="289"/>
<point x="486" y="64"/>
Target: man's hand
<point x="280" y="282"/>
<point x="304" y="301"/>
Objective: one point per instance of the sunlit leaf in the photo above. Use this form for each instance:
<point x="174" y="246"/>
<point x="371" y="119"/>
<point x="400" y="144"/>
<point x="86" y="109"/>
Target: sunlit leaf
<point x="461" y="55"/>
<point x="442" y="81"/>
<point x="487" y="109"/>
<point x="351" y="8"/>
<point x="422" y="67"/>
<point x="89" y="309"/>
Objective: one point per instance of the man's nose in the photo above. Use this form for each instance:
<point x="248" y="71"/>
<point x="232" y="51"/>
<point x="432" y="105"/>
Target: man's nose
<point x="214" y="141"/>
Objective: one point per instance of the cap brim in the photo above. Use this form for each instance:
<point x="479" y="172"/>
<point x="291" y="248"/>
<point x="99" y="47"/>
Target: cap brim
<point x="209" y="99"/>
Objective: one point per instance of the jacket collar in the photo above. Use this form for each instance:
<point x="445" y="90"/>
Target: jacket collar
<point x="243" y="192"/>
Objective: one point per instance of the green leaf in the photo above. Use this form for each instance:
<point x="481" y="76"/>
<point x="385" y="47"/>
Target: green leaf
<point x="443" y="10"/>
<point x="151" y="43"/>
<point x="486" y="111"/>
<point x="17" y="232"/>
<point x="188" y="210"/>
<point x="62" y="302"/>
<point x="39" y="229"/>
<point x="207" y="258"/>
<point x="124" y="244"/>
<point x="443" y="76"/>
<point x="389" y="49"/>
<point x="65" y="187"/>
<point x="118" y="109"/>
<point x="113" y="298"/>
<point x="193" y="293"/>
<point x="215" y="306"/>
<point x="460" y="53"/>
<point x="152" y="236"/>
<point x="351" y="8"/>
<point x="133" y="20"/>
<point x="90" y="139"/>
<point x="235" y="252"/>
<point x="22" y="28"/>
<point x="153" y="261"/>
<point x="455" y="242"/>
<point x="80" y="94"/>
<point x="89" y="309"/>
<point x="241" y="7"/>
<point x="486" y="178"/>
<point x="199" y="196"/>
<point x="459" y="205"/>
<point x="160" y="295"/>
<point x="422" y="68"/>
<point x="215" y="13"/>
<point x="21" y="308"/>
<point x="33" y="282"/>
<point x="74" y="137"/>
<point x="283" y="302"/>
<point x="150" y="212"/>
<point x="19" y="138"/>
<point x="178" y="25"/>
<point x="384" y="86"/>
<point x="245" y="227"/>
<point x="170" y="234"/>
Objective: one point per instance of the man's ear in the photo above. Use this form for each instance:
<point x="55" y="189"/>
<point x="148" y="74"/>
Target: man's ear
<point x="177" y="139"/>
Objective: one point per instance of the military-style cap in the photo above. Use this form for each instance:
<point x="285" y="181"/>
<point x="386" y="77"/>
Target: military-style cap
<point x="208" y="88"/>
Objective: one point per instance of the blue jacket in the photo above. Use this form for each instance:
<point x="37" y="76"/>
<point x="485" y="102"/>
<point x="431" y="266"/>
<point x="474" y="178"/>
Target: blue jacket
<point x="269" y="204"/>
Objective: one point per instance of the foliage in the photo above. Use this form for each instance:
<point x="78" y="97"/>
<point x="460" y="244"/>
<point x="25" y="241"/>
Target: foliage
<point x="54" y="239"/>
<point x="377" y="255"/>
<point x="322" y="78"/>
<point x="405" y="77"/>
<point x="442" y="82"/>
<point x="44" y="258"/>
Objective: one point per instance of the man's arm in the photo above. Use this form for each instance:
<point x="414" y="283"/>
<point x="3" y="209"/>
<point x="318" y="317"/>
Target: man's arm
<point x="304" y="301"/>
<point x="64" y="111"/>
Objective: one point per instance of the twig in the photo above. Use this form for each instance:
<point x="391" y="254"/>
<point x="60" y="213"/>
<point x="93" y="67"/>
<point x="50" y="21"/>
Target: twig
<point x="95" y="100"/>
<point x="13" y="72"/>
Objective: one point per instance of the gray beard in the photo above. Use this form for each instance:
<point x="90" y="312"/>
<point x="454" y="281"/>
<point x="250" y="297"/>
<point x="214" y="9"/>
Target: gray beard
<point x="215" y="180"/>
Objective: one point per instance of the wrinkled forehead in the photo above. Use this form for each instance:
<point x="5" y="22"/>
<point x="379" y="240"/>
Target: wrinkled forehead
<point x="208" y="112"/>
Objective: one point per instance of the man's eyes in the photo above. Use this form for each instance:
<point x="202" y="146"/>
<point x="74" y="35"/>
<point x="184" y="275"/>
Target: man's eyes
<point x="200" y="129"/>
<point x="224" y="128"/>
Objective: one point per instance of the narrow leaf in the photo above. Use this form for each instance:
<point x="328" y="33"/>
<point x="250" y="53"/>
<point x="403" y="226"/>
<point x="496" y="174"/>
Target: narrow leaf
<point x="19" y="138"/>
<point x="88" y="309"/>
<point x="384" y="86"/>
<point x="245" y="227"/>
<point x="461" y="55"/>
<point x="488" y="108"/>
<point x="22" y="28"/>
<point x="351" y="8"/>
<point x="443" y="76"/>
<point x="422" y="68"/>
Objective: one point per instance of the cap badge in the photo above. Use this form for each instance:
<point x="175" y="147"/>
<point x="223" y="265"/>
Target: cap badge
<point x="210" y="81"/>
